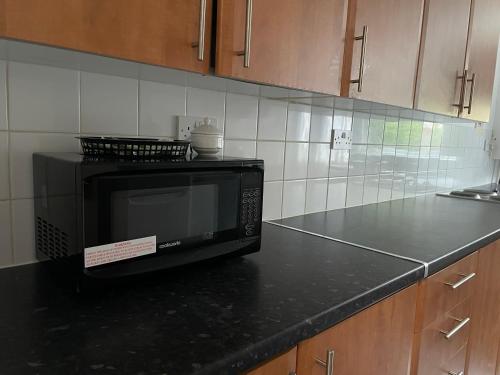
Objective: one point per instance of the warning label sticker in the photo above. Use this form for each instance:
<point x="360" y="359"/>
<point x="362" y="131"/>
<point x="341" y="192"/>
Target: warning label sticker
<point x="113" y="252"/>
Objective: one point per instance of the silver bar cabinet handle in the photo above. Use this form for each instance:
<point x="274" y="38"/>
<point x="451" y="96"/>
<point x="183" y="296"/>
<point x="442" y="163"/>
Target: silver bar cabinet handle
<point x="364" y="40"/>
<point x="455" y="373"/>
<point x="248" y="35"/>
<point x="461" y="281"/>
<point x="461" y="98"/>
<point x="328" y="364"/>
<point x="200" y="44"/>
<point x="449" y="334"/>
<point x="471" y="93"/>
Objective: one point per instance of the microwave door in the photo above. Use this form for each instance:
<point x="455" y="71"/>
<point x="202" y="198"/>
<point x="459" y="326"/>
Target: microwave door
<point x="171" y="213"/>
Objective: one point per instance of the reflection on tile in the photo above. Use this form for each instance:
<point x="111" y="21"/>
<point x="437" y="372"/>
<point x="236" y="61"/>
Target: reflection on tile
<point x="273" y="154"/>
<point x="421" y="183"/>
<point x="413" y="158"/>
<point x="272" y="120"/>
<point x="337" y="189"/>
<point x="411" y="185"/>
<point x="388" y="159"/>
<point x="319" y="157"/>
<point x="398" y="186"/>
<point x="426" y="134"/>
<point x="437" y="135"/>
<point x="316" y="195"/>
<point x="384" y="187"/>
<point x="434" y="158"/>
<point x="373" y="159"/>
<point x="296" y="156"/>
<point x="376" y="130"/>
<point x="416" y="132"/>
<point x="401" y="159"/>
<point x="423" y="161"/>
<point x="294" y="198"/>
<point x="339" y="162"/>
<point x="370" y="189"/>
<point x="298" y="123"/>
<point x="360" y="125"/>
<point x="391" y="131"/>
<point x="404" y="132"/>
<point x="357" y="160"/>
<point x="271" y="208"/>
<point x="342" y="119"/>
<point x="354" y="195"/>
<point x="432" y="179"/>
<point x="321" y="124"/>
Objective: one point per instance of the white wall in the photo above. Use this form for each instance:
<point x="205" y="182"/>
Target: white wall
<point x="49" y="96"/>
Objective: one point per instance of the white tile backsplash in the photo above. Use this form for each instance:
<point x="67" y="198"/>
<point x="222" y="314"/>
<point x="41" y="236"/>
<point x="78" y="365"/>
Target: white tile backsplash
<point x="298" y="123"/>
<point x="273" y="154"/>
<point x="109" y="104"/>
<point x="22" y="147"/>
<point x="242" y="149"/>
<point x="159" y="106"/>
<point x="48" y="96"/>
<point x="294" y="198"/>
<point x="4" y="166"/>
<point x="241" y="116"/>
<point x="3" y="95"/>
<point x="273" y="196"/>
<point x="272" y="120"/>
<point x="51" y="94"/>
<point x="5" y="235"/>
<point x="296" y="156"/>
<point x="317" y="190"/>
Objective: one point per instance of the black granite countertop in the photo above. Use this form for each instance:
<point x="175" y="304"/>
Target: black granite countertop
<point x="212" y="318"/>
<point x="434" y="230"/>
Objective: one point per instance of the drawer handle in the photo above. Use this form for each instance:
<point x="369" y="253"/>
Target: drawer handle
<point x="456" y="373"/>
<point x="462" y="280"/>
<point x="462" y="323"/>
<point x="330" y="354"/>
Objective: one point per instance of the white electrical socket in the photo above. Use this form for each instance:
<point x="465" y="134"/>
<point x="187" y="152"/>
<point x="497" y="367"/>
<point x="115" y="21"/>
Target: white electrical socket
<point x="185" y="124"/>
<point x="341" y="139"/>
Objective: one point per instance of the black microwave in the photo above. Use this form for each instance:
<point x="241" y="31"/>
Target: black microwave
<point x="110" y="218"/>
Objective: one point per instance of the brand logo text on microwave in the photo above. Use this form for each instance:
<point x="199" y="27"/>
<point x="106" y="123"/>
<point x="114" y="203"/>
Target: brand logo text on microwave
<point x="169" y="244"/>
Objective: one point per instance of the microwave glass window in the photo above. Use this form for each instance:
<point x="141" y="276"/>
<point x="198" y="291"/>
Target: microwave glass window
<point x="191" y="213"/>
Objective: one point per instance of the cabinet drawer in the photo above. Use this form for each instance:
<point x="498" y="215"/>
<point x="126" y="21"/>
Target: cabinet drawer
<point x="446" y="289"/>
<point x="438" y="352"/>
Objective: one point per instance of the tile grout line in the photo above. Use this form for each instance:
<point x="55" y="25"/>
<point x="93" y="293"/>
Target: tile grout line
<point x="425" y="264"/>
<point x="9" y="161"/>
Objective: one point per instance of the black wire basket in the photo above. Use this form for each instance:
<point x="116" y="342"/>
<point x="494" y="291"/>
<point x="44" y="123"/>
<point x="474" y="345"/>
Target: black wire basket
<point x="133" y="148"/>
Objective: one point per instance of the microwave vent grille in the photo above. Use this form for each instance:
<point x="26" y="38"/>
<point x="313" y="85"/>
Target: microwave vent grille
<point x="51" y="241"/>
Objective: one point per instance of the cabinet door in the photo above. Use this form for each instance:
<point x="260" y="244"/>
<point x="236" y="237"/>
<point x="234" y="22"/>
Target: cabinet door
<point x="442" y="55"/>
<point x="485" y="328"/>
<point x="281" y="365"/>
<point x="482" y="53"/>
<point x="391" y="54"/>
<point x="377" y="340"/>
<point x="290" y="43"/>
<point x="149" y="31"/>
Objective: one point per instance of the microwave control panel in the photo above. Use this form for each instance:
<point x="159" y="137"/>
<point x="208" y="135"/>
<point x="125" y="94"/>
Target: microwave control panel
<point x="250" y="211"/>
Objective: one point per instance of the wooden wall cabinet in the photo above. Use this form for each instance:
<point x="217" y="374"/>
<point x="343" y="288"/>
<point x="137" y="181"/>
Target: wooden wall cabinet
<point x="442" y="55"/>
<point x="391" y="53"/>
<point x="377" y="340"/>
<point x="484" y="347"/>
<point x="166" y="33"/>
<point x="290" y="43"/>
<point x="484" y="30"/>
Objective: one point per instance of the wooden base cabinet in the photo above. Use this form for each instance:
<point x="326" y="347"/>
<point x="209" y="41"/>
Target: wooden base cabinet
<point x="282" y="365"/>
<point x="377" y="340"/>
<point x="173" y="33"/>
<point x="483" y="356"/>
